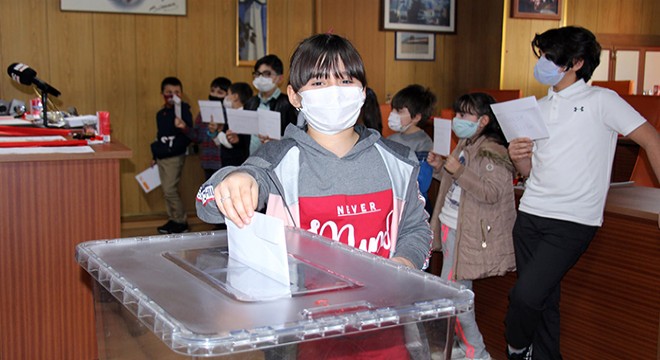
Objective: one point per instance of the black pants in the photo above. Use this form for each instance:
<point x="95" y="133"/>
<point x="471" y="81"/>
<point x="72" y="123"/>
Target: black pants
<point x="546" y="249"/>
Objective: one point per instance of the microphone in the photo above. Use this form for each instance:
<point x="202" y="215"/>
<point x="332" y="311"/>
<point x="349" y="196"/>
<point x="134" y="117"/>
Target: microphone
<point x="26" y="75"/>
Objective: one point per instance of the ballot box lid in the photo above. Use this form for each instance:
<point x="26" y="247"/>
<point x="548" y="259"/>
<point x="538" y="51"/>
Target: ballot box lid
<point x="181" y="288"/>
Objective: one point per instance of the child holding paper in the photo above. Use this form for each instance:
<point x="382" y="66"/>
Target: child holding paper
<point x="205" y="134"/>
<point x="238" y="148"/>
<point x="333" y="178"/>
<point x="169" y="152"/>
<point x="569" y="172"/>
<point x="412" y="106"/>
<point x="475" y="209"/>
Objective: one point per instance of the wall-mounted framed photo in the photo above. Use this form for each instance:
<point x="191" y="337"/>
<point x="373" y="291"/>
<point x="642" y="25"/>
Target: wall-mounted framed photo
<point x="252" y="31"/>
<point x="156" y="7"/>
<point x="420" y="15"/>
<point x="414" y="46"/>
<point x="536" y="9"/>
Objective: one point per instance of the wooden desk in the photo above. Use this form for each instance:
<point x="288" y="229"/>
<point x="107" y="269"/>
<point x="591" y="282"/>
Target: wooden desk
<point x="611" y="299"/>
<point x="50" y="203"/>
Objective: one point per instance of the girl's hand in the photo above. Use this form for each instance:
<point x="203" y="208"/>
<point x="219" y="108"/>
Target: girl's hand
<point x="179" y="123"/>
<point x="236" y="197"/>
<point x="213" y="127"/>
<point x="520" y="149"/>
<point x="452" y="164"/>
<point x="232" y="137"/>
<point x="435" y="160"/>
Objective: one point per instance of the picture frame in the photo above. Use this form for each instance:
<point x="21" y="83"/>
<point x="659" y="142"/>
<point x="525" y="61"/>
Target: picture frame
<point x="420" y="15"/>
<point x="154" y="7"/>
<point x="536" y="9"/>
<point x="251" y="31"/>
<point x="414" y="46"/>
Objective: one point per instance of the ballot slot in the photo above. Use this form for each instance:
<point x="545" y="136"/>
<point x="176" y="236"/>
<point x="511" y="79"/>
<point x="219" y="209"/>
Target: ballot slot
<point x="214" y="267"/>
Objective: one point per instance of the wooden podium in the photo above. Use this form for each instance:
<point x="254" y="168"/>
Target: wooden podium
<point x="50" y="203"/>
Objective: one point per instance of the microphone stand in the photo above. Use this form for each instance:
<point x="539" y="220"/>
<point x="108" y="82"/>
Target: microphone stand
<point x="44" y="107"/>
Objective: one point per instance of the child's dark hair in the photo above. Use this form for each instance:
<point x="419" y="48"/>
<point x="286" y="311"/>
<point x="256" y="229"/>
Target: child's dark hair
<point x="243" y="90"/>
<point x="417" y="99"/>
<point x="567" y="45"/>
<point x="272" y="61"/>
<point x="221" y="82"/>
<point x="370" y="115"/>
<point x="170" y="80"/>
<point x="478" y="104"/>
<point x="319" y="55"/>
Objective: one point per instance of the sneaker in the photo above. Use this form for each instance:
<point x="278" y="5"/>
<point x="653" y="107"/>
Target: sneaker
<point x="525" y="355"/>
<point x="167" y="228"/>
<point x="173" y="227"/>
<point x="178" y="228"/>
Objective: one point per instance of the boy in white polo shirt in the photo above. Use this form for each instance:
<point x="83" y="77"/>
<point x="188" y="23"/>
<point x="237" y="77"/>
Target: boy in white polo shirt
<point x="568" y="179"/>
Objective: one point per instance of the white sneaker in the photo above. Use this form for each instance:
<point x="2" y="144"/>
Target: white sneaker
<point x="457" y="352"/>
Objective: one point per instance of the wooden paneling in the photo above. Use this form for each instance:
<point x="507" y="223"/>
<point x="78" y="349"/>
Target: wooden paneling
<point x="48" y="207"/>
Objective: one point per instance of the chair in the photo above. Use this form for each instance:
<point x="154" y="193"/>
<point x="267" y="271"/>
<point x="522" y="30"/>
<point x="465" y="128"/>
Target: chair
<point x="621" y="87"/>
<point x="642" y="173"/>
<point x="501" y="95"/>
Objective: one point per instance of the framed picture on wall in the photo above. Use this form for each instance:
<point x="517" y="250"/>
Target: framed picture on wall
<point x="536" y="9"/>
<point x="252" y="32"/>
<point x="156" y="7"/>
<point x="420" y="15"/>
<point x="414" y="46"/>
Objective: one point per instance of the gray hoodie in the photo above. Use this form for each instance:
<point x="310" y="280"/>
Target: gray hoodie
<point x="368" y="199"/>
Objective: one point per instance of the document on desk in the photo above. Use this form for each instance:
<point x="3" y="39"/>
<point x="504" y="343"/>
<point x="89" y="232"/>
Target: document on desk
<point x="261" y="246"/>
<point x="211" y="111"/>
<point x="521" y="118"/>
<point x="441" y="136"/>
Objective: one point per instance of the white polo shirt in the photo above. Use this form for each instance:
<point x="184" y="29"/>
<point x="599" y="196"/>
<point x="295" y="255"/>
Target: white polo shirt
<point x="571" y="169"/>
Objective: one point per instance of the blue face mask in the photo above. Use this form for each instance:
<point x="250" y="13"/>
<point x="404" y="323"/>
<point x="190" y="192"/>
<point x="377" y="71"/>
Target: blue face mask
<point x="464" y="128"/>
<point x="546" y="72"/>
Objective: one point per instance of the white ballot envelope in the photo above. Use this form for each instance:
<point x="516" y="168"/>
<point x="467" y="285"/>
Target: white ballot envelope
<point x="261" y="246"/>
<point x="441" y="136"/>
<point x="148" y="179"/>
<point x="243" y="121"/>
<point x="520" y="118"/>
<point x="177" y="106"/>
<point x="269" y="123"/>
<point x="211" y="111"/>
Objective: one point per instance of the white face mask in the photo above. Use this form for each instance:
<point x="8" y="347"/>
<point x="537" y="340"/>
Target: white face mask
<point x="228" y="103"/>
<point x="394" y="122"/>
<point x="332" y="109"/>
<point x="263" y="84"/>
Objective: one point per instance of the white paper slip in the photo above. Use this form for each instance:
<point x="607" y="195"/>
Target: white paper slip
<point x="261" y="246"/>
<point x="520" y="118"/>
<point x="177" y="106"/>
<point x="441" y="136"/>
<point x="148" y="179"/>
<point x="211" y="111"/>
<point x="269" y="123"/>
<point x="243" y="121"/>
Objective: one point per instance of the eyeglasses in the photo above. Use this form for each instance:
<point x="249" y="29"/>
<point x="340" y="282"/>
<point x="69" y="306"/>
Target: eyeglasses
<point x="266" y="73"/>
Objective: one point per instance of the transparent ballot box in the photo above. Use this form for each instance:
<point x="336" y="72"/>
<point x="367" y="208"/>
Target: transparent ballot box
<point x="181" y="296"/>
